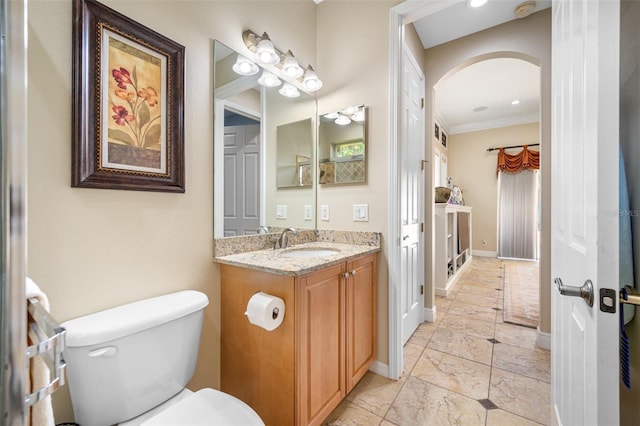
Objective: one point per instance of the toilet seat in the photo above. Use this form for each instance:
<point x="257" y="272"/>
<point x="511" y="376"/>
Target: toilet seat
<point x="207" y="407"/>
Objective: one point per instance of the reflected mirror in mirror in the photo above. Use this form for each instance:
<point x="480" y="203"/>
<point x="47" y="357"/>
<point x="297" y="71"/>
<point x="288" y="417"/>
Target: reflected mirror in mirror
<point x="342" y="146"/>
<point x="246" y="118"/>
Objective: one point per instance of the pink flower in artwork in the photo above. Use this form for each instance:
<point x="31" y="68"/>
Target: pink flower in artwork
<point x="122" y="116"/>
<point x="150" y="95"/>
<point x="122" y="77"/>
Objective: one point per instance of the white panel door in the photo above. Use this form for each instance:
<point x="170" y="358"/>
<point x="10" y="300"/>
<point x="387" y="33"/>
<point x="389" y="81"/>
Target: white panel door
<point x="411" y="198"/>
<point x="584" y="344"/>
<point x="242" y="180"/>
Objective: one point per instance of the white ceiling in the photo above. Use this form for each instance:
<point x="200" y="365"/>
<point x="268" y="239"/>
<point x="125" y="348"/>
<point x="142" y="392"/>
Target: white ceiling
<point x="493" y="83"/>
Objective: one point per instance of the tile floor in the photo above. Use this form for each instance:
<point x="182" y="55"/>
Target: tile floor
<point x="467" y="368"/>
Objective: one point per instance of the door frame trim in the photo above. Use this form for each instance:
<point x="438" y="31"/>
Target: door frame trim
<point x="399" y="16"/>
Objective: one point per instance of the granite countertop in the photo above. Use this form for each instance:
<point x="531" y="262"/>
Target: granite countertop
<point x="275" y="261"/>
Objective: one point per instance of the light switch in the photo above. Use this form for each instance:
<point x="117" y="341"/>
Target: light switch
<point x="361" y="212"/>
<point x="324" y="212"/>
<point x="281" y="211"/>
<point x="308" y="212"/>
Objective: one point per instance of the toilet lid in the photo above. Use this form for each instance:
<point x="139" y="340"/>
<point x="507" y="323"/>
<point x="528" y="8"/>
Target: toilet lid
<point x="207" y="407"/>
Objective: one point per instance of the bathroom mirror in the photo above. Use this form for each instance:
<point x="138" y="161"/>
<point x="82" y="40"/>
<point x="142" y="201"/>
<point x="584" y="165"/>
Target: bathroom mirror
<point x="342" y="146"/>
<point x="295" y="154"/>
<point x="247" y="116"/>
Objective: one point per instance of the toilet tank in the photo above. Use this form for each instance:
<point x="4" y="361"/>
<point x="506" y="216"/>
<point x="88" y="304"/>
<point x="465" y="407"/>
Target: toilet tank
<point x="124" y="361"/>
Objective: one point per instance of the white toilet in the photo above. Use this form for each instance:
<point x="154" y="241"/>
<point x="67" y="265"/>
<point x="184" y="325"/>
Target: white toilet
<point x="129" y="365"/>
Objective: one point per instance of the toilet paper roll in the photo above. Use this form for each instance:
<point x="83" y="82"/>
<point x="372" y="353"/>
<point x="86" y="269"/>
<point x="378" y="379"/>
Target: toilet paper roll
<point x="265" y="310"/>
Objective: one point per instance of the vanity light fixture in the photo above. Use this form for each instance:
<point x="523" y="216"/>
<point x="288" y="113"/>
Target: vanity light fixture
<point x="289" y="91"/>
<point x="244" y="66"/>
<point x="269" y="79"/>
<point x="342" y="120"/>
<point x="279" y="64"/>
<point x="331" y="115"/>
<point x="291" y="67"/>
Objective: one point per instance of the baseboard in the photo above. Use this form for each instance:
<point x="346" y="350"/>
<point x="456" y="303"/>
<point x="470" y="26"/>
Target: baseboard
<point x="484" y="253"/>
<point x="544" y="340"/>
<point x="430" y="314"/>
<point x="380" y="369"/>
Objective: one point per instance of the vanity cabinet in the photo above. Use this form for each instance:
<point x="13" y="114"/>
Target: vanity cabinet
<point x="299" y="372"/>
<point x="452" y="245"/>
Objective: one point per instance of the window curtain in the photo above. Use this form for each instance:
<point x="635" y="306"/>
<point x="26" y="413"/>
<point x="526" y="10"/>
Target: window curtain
<point x="513" y="163"/>
<point x="518" y="215"/>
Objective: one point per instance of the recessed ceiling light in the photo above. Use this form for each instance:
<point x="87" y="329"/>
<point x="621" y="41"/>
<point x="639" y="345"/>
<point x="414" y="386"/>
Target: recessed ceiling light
<point x="515" y="102"/>
<point x="476" y="3"/>
<point x="480" y="108"/>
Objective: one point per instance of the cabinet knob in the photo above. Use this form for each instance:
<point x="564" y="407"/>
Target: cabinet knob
<point x="353" y="273"/>
<point x="345" y="275"/>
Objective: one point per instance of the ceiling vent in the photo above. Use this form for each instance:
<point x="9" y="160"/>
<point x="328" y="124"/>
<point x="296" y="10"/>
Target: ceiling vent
<point x="524" y="9"/>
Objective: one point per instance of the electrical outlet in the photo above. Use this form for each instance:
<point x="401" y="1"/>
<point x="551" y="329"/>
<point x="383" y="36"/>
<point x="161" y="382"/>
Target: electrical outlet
<point x="281" y="211"/>
<point x="308" y="212"/>
<point x="324" y="212"/>
<point x="361" y="212"/>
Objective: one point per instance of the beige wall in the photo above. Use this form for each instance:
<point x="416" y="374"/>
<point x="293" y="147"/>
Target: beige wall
<point x="92" y="249"/>
<point x="525" y="38"/>
<point x="473" y="169"/>
<point x="354" y="66"/>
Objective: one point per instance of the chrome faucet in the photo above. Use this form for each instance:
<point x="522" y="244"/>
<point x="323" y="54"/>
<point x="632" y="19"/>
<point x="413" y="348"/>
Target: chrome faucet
<point x="263" y="230"/>
<point x="283" y="241"/>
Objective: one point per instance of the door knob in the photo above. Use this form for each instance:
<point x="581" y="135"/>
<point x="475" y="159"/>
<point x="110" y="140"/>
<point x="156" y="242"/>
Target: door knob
<point x="585" y="292"/>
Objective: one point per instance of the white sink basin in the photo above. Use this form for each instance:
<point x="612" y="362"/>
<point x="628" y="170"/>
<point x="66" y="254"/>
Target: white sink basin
<point x="309" y="252"/>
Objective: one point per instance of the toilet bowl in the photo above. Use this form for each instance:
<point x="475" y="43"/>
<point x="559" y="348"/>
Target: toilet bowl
<point x="129" y="366"/>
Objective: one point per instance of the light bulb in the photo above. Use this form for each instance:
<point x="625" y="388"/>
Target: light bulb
<point x="269" y="79"/>
<point x="359" y="115"/>
<point x="311" y="80"/>
<point x="265" y="52"/>
<point x="243" y="66"/>
<point x="342" y="120"/>
<point x="291" y="67"/>
<point x="289" y="91"/>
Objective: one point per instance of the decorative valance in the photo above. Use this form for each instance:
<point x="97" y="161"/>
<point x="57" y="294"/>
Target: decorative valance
<point x="513" y="163"/>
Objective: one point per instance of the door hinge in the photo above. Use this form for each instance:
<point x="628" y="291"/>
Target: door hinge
<point x="423" y="164"/>
<point x="421" y="289"/>
<point x="422" y="227"/>
<point x="422" y="103"/>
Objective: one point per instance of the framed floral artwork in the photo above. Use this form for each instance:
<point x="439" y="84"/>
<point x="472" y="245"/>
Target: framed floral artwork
<point x="128" y="106"/>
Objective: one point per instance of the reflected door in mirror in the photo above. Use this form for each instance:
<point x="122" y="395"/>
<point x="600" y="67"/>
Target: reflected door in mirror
<point x="242" y="174"/>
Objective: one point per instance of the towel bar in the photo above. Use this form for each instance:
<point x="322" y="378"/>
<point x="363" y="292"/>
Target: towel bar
<point x="49" y="340"/>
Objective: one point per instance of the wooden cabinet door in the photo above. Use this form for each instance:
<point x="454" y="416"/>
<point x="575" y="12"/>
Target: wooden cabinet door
<point x="361" y="317"/>
<point x="320" y="334"/>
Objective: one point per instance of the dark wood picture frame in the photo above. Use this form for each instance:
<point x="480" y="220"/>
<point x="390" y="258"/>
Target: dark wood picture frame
<point x="128" y="103"/>
<point x="443" y="139"/>
<point x="436" y="132"/>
